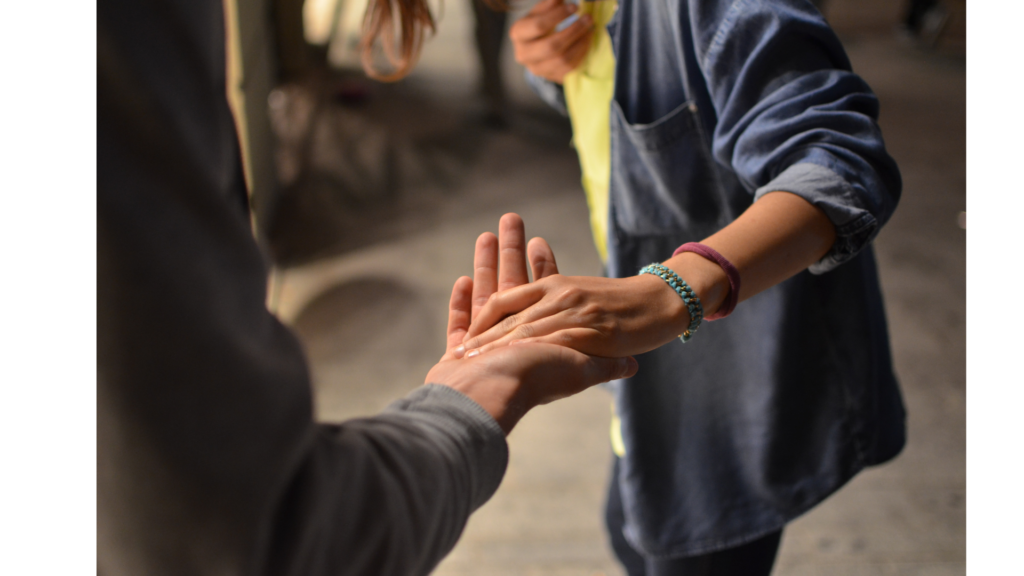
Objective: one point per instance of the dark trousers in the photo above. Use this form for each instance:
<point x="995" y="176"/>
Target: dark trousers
<point x="490" y="35"/>
<point x="751" y="559"/>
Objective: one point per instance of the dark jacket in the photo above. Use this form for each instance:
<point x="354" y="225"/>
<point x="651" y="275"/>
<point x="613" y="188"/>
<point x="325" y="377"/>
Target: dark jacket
<point x="208" y="458"/>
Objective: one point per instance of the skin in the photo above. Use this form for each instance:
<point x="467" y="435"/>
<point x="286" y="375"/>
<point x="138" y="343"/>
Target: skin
<point x="543" y="51"/>
<point x="508" y="382"/>
<point x="778" y="236"/>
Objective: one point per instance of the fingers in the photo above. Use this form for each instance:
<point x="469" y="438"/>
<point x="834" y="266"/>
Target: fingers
<point x="568" y="372"/>
<point x="542" y="259"/>
<point x="547" y="44"/>
<point x="459" y="312"/>
<point x="554" y="45"/>
<point x="556" y="67"/>
<point x="530" y="324"/>
<point x="583" y="340"/>
<point x="541" y="20"/>
<point x="512" y="252"/>
<point x="485" y="271"/>
<point x="598" y="370"/>
<point x="504" y="303"/>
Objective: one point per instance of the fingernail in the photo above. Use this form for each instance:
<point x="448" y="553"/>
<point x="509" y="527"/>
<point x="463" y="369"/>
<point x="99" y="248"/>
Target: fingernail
<point x="587" y="20"/>
<point x="573" y="7"/>
<point x="459" y="351"/>
<point x="473" y="353"/>
<point x="631" y="364"/>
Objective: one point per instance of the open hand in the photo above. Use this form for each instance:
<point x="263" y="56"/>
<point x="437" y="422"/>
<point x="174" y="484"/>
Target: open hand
<point x="510" y="381"/>
<point x="499" y="263"/>
<point x="610" y="317"/>
<point x="602" y="316"/>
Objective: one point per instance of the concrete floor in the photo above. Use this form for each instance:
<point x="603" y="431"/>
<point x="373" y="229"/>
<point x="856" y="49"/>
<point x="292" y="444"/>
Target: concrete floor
<point x="380" y="218"/>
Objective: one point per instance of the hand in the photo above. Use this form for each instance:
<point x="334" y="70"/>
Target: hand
<point x="511" y="381"/>
<point x="609" y="317"/>
<point x="498" y="264"/>
<point x="542" y="50"/>
<point x="777" y="237"/>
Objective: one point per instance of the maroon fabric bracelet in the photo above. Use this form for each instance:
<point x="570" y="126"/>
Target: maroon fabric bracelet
<point x="730" y="271"/>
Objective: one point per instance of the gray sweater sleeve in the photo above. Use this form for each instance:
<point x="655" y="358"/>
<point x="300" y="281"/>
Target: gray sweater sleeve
<point x="208" y="457"/>
<point x="411" y="476"/>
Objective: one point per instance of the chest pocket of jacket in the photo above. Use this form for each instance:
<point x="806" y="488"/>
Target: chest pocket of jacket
<point x="663" y="179"/>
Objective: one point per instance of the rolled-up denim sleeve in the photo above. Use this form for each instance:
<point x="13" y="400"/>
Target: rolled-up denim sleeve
<point x="793" y="117"/>
<point x="548" y="91"/>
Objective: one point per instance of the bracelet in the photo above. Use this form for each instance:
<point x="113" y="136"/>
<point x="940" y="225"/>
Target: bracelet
<point x="730" y="272"/>
<point x="685" y="292"/>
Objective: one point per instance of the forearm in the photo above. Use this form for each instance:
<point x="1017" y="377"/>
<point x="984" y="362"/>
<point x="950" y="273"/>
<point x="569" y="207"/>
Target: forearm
<point x="777" y="237"/>
<point x="387" y="495"/>
<point x="794" y="117"/>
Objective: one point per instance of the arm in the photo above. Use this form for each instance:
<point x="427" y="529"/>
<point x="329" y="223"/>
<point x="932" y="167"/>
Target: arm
<point x="208" y="457"/>
<point x="777" y="237"/>
<point x="799" y="130"/>
<point x="774" y="239"/>
<point x="792" y="116"/>
<point x="543" y="374"/>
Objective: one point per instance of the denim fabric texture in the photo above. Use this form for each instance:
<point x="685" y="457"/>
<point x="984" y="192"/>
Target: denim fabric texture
<point x="767" y="412"/>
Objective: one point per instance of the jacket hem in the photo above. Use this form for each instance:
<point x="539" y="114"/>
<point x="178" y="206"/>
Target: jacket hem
<point x="718" y="544"/>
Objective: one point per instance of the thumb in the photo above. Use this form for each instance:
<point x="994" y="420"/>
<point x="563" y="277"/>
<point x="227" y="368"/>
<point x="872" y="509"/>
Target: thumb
<point x="598" y="369"/>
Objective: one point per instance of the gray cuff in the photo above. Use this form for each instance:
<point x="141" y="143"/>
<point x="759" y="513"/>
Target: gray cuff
<point x="855" y="226"/>
<point x="549" y="92"/>
<point x="477" y="433"/>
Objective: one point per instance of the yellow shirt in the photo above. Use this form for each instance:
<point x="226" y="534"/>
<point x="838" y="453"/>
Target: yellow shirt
<point x="588" y="97"/>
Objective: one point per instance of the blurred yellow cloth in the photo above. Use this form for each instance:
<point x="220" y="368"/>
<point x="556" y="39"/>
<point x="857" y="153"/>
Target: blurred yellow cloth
<point x="588" y="97"/>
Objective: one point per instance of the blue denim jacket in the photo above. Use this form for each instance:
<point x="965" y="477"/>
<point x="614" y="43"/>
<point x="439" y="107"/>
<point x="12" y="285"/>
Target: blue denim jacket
<point x="765" y="413"/>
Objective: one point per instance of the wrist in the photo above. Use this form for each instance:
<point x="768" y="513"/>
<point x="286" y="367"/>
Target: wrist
<point x="501" y="396"/>
<point x="667" y="314"/>
<point x="708" y="280"/>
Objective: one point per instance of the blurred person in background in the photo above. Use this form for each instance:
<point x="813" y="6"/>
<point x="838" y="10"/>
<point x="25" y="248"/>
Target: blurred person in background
<point x="916" y="13"/>
<point x="731" y="143"/>
<point x="491" y="19"/>
<point x="294" y="54"/>
<point x="297" y="58"/>
<point x="208" y="457"/>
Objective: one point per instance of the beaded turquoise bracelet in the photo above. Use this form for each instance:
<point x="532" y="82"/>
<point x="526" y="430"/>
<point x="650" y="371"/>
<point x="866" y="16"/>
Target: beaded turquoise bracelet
<point x="685" y="292"/>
